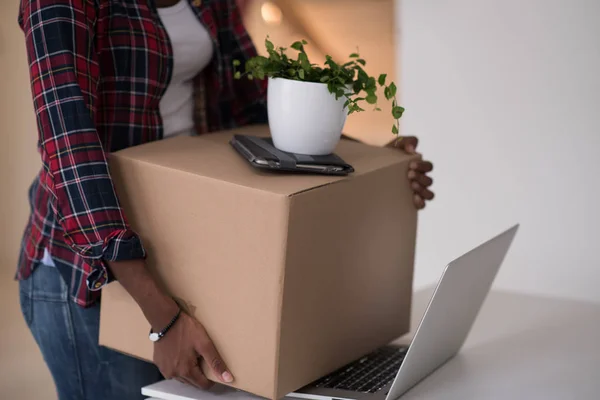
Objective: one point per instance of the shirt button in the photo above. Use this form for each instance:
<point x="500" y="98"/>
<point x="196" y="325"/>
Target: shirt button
<point x="96" y="280"/>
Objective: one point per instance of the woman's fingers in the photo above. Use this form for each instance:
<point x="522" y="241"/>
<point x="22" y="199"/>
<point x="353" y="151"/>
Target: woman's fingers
<point x="419" y="202"/>
<point x="421" y="166"/>
<point x="209" y="353"/>
<point x="420" y="178"/>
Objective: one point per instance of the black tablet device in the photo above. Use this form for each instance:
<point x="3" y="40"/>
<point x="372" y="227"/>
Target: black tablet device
<point x="261" y="153"/>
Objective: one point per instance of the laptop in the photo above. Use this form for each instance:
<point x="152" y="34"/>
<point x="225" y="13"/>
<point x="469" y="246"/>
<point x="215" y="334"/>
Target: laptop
<point x="391" y="371"/>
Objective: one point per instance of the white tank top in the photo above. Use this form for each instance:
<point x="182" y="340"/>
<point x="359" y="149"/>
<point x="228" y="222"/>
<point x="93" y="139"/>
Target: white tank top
<point x="192" y="52"/>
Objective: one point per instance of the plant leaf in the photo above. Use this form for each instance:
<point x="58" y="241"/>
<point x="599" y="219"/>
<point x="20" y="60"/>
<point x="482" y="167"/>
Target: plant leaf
<point x="371" y="84"/>
<point x="363" y="77"/>
<point x="332" y="64"/>
<point x="387" y="92"/>
<point x="371" y="98"/>
<point x="382" y="79"/>
<point x="397" y="112"/>
<point x="260" y="60"/>
<point x="361" y="62"/>
<point x="236" y="63"/>
<point x="303" y="59"/>
<point x="283" y="56"/>
<point x="395" y="129"/>
<point x="331" y="87"/>
<point x="324" y="79"/>
<point x="392" y="89"/>
<point x="297" y="46"/>
<point x="354" y="55"/>
<point x="301" y="73"/>
<point x="269" y="45"/>
<point x="237" y="75"/>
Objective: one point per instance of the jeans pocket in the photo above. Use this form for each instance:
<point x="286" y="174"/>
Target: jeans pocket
<point x="48" y="285"/>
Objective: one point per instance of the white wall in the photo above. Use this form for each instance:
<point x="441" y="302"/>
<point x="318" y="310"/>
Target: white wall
<point x="505" y="96"/>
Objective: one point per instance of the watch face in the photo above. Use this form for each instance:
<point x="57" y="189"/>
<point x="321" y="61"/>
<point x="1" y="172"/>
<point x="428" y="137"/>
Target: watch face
<point x="154" y="337"/>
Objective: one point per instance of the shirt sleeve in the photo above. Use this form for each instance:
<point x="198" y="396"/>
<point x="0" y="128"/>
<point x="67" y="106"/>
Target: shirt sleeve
<point x="65" y="74"/>
<point x="249" y="98"/>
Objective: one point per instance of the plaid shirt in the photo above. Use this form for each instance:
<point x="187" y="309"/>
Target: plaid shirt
<point x="98" y="71"/>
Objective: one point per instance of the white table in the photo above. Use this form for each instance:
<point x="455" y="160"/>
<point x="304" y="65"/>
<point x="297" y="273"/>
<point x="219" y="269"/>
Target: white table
<point x="521" y="347"/>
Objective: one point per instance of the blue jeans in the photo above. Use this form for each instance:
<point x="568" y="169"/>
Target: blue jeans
<point x="67" y="336"/>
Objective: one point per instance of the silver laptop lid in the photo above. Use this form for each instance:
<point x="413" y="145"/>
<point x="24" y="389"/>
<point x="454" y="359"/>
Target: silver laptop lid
<point x="451" y="312"/>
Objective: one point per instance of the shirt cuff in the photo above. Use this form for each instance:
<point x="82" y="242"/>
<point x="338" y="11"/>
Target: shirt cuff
<point x="124" y="246"/>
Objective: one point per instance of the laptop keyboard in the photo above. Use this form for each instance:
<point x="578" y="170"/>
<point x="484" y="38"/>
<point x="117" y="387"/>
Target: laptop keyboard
<point x="370" y="374"/>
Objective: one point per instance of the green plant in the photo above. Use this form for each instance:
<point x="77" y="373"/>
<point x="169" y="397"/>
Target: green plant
<point x="348" y="80"/>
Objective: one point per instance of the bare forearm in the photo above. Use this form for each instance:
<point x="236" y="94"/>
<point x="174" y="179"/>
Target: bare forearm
<point x="156" y="305"/>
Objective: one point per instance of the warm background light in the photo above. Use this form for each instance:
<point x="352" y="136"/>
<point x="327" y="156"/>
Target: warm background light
<point x="271" y="13"/>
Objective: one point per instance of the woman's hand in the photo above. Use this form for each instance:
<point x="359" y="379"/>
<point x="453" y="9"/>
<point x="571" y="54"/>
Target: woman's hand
<point x="417" y="173"/>
<point x="179" y="352"/>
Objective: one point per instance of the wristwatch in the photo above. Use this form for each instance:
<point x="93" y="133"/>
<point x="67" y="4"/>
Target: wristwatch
<point x="156" y="336"/>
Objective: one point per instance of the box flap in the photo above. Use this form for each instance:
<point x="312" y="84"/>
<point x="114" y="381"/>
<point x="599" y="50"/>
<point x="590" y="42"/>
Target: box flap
<point x="212" y="157"/>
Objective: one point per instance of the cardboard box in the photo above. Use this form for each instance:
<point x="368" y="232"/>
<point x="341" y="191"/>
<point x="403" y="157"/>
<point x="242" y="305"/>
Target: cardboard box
<point x="292" y="275"/>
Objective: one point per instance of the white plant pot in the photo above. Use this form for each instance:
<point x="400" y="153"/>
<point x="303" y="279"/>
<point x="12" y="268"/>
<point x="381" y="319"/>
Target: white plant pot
<point x="304" y="118"/>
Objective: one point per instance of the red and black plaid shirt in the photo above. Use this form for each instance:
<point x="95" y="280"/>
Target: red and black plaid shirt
<point x="98" y="71"/>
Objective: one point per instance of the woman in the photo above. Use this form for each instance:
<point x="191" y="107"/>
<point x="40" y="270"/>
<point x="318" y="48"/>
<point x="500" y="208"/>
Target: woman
<point x="106" y="75"/>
